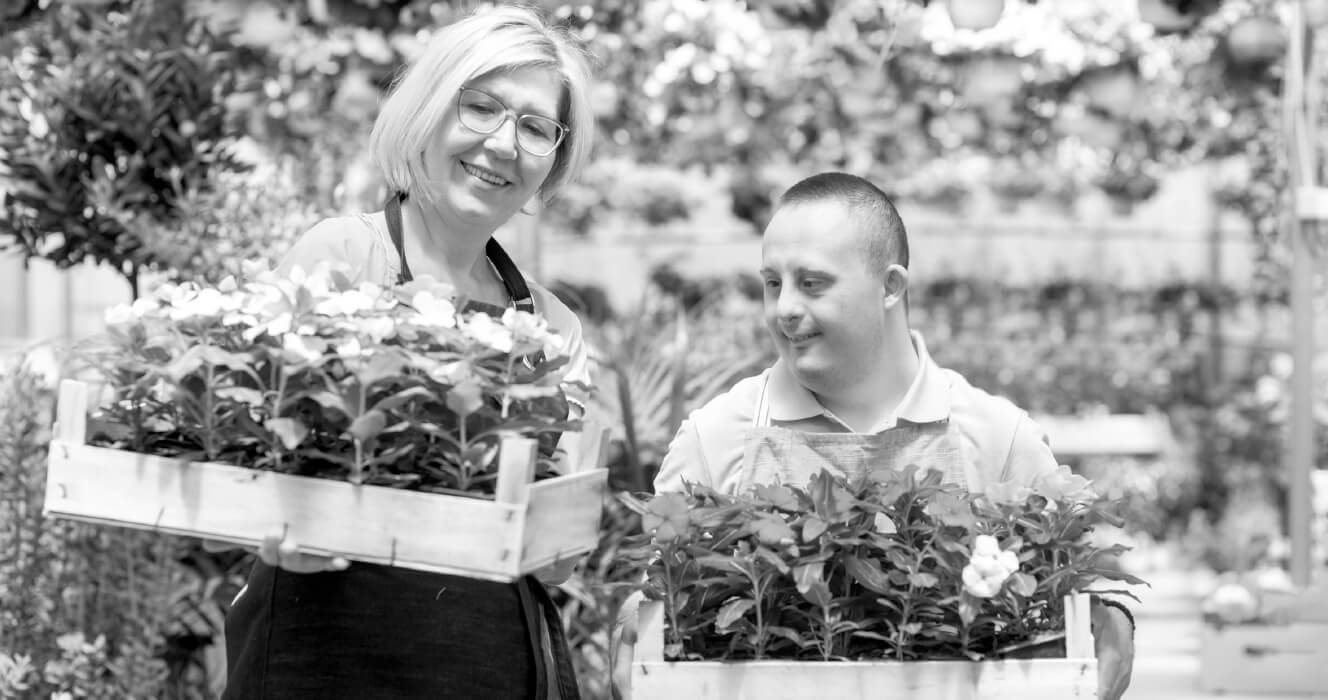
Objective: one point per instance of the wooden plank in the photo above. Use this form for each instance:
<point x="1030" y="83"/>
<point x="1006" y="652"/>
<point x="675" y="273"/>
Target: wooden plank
<point x="1015" y="679"/>
<point x="516" y="469"/>
<point x="1024" y="679"/>
<point x="1111" y="434"/>
<point x="430" y="532"/>
<point x="1078" y="628"/>
<point x="563" y="518"/>
<point x="1264" y="658"/>
<point x="590" y="449"/>
<point x="71" y="412"/>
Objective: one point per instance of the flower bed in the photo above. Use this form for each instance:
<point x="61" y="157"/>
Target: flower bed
<point x="382" y="425"/>
<point x="892" y="581"/>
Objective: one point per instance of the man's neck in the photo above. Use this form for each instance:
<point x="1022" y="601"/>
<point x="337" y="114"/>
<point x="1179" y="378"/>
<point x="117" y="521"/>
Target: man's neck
<point x="874" y="399"/>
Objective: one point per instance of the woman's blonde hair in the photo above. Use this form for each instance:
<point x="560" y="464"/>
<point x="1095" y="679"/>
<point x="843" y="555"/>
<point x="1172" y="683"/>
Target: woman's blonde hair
<point x="498" y="39"/>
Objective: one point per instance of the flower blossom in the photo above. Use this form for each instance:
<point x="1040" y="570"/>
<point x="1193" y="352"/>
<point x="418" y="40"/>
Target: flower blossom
<point x="988" y="567"/>
<point x="432" y="310"/>
<point x="484" y="329"/>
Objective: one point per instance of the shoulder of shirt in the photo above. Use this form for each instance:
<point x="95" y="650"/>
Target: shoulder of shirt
<point x="560" y="317"/>
<point x="984" y="408"/>
<point x="342" y="233"/>
<point x="738" y="404"/>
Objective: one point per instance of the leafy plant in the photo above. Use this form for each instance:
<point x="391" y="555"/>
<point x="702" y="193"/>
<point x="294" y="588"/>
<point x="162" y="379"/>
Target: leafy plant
<point x="133" y="98"/>
<point x="894" y="564"/>
<point x="315" y="376"/>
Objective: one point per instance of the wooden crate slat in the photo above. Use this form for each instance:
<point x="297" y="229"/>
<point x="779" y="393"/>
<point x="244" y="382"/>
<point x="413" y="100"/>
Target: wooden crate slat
<point x="366" y="523"/>
<point x="1030" y="679"/>
<point x="1290" y="658"/>
<point x="556" y="522"/>
<point x="1011" y="679"/>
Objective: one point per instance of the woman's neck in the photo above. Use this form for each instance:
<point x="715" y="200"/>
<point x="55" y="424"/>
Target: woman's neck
<point x="451" y="254"/>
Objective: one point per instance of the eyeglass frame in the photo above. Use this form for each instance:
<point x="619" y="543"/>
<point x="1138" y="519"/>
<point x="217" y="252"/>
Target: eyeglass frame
<point x="516" y="117"/>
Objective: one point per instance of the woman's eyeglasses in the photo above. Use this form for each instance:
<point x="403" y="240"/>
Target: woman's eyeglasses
<point x="483" y="113"/>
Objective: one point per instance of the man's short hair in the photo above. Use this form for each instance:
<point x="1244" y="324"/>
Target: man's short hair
<point x="883" y="236"/>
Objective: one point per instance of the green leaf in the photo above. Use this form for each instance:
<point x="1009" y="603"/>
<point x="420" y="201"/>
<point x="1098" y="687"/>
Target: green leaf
<point x="1023" y="584"/>
<point x="868" y="573"/>
<point x="812" y="529"/>
<point x="805" y="575"/>
<point x="465" y="398"/>
<point x="291" y="431"/>
<point x="368" y="426"/>
<point x="923" y="579"/>
<point x="732" y="612"/>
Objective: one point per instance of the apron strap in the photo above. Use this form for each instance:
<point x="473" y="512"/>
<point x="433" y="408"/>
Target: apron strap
<point x="564" y="675"/>
<point x="513" y="281"/>
<point x="761" y="411"/>
<point x="392" y="209"/>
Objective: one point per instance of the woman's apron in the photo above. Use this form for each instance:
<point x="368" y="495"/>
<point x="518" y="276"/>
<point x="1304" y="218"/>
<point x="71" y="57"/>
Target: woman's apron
<point x="375" y="631"/>
<point x="780" y="455"/>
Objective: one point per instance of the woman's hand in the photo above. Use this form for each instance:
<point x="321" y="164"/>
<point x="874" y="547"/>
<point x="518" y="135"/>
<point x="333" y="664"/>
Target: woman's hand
<point x="284" y="554"/>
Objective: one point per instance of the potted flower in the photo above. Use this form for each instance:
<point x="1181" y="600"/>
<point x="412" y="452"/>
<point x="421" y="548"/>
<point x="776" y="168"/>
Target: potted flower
<point x="309" y="407"/>
<point x="892" y="580"/>
<point x="1261" y="634"/>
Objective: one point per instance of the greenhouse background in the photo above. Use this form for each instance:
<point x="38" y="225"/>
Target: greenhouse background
<point x="1100" y="196"/>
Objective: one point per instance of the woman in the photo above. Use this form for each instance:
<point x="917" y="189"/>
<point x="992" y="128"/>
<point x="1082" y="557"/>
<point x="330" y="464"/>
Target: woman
<point x="494" y="113"/>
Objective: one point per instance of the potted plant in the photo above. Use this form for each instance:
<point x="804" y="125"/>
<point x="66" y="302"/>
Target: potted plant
<point x="892" y="580"/>
<point x="312" y="408"/>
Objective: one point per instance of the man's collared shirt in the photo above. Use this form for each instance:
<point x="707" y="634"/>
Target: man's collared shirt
<point x="1000" y="442"/>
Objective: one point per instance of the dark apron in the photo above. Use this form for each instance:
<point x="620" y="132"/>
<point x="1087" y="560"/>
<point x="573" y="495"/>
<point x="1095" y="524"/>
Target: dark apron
<point x="780" y="455"/>
<point x="375" y="631"/>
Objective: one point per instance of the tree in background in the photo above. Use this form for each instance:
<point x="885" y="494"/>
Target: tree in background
<point x="107" y="112"/>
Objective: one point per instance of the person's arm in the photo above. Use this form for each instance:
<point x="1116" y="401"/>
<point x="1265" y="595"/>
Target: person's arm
<point x="685" y="461"/>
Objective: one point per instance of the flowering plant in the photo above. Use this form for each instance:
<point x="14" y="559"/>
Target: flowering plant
<point x="316" y="376"/>
<point x="893" y="565"/>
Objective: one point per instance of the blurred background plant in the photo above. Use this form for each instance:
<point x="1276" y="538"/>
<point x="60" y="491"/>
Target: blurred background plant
<point x="173" y="140"/>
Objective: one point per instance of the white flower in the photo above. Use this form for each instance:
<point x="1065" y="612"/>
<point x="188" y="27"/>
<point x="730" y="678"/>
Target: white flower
<point x="204" y="303"/>
<point x="1232" y="602"/>
<point x="300" y="348"/>
<point x="119" y="315"/>
<point x="484" y="329"/>
<point x="377" y="328"/>
<point x="989" y="567"/>
<point x="350" y="348"/>
<point x="347" y="303"/>
<point x="525" y="325"/>
<point x="434" y="311"/>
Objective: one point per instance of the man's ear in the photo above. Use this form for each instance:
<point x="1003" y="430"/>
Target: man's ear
<point x="895" y="285"/>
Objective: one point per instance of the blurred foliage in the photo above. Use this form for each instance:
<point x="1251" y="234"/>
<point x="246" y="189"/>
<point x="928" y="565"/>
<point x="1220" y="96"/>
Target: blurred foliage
<point x="94" y="611"/>
<point x="130" y="95"/>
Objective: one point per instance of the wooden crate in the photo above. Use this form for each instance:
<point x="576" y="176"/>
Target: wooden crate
<point x="1075" y="676"/>
<point x="1288" y="659"/>
<point x="527" y="525"/>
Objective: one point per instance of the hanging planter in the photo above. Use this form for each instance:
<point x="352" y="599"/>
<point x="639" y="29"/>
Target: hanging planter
<point x="1165" y="18"/>
<point x="975" y="14"/>
<point x="1256" y="40"/>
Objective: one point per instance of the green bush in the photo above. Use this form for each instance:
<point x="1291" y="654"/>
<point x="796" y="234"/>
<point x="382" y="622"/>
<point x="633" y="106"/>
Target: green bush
<point x="95" y="612"/>
<point x="128" y="98"/>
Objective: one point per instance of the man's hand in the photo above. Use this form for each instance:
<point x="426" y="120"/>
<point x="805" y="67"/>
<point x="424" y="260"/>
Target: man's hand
<point x="1113" y="641"/>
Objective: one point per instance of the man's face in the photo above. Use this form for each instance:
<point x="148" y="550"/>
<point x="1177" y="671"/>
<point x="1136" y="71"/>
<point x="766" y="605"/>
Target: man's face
<point x="823" y="305"/>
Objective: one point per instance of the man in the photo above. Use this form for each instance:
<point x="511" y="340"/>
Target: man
<point x="854" y="386"/>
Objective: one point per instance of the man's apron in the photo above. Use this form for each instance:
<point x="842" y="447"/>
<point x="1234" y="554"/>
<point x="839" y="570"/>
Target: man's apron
<point x="780" y="455"/>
